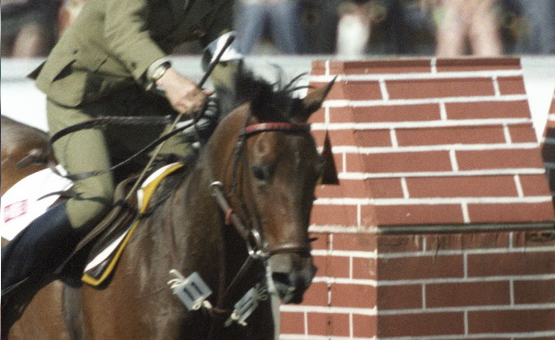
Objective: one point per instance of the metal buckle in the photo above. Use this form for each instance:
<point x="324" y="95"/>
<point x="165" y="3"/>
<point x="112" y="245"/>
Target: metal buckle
<point x="192" y="291"/>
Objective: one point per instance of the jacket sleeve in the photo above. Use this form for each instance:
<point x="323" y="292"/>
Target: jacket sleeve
<point x="127" y="35"/>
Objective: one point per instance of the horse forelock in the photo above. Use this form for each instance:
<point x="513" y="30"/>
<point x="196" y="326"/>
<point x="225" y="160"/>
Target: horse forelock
<point x="269" y="101"/>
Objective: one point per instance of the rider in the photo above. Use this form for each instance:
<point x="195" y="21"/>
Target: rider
<point x="113" y="61"/>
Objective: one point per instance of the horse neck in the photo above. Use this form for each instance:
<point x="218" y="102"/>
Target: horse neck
<point x="196" y="227"/>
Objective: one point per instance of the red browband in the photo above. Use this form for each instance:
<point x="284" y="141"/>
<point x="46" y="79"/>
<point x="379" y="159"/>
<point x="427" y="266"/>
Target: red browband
<point x="276" y="126"/>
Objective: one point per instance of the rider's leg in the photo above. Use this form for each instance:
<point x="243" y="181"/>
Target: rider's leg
<point x="39" y="250"/>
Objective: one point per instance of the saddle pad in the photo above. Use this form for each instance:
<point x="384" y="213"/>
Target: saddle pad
<point x="28" y="199"/>
<point x="102" y="265"/>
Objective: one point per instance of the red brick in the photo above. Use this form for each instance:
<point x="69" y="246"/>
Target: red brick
<point x="373" y="138"/>
<point x="407" y="161"/>
<point x="477" y="240"/>
<point x="523" y="133"/>
<point x="511" y="264"/>
<point x="451" y="135"/>
<point x="534" y="291"/>
<point x="388" y="66"/>
<point x="511" y="321"/>
<point x="321" y="241"/>
<point x="511" y="212"/>
<point x="421" y="267"/>
<point x="343" y="114"/>
<point x="328" y="324"/>
<point x="322" y="263"/>
<point x="354" y="242"/>
<point x="336" y="92"/>
<point x="354" y="162"/>
<point x="341" y="215"/>
<point x="419" y="325"/>
<point x="339" y="266"/>
<point x="534" y="238"/>
<point x="400" y="297"/>
<point x="362" y="90"/>
<point x="400" y="244"/>
<point x="353" y="295"/>
<point x="364" y="326"/>
<point x="320" y="67"/>
<point x="347" y="188"/>
<point x="396" y="113"/>
<point x="417" y="214"/>
<point x="468" y="294"/>
<point x="511" y="85"/>
<point x="499" y="159"/>
<point x="343" y="137"/>
<point x="534" y="185"/>
<point x="476" y="64"/>
<point x="292" y="323"/>
<point x="316" y="295"/>
<point x="364" y="268"/>
<point x="468" y="186"/>
<point x="384" y="188"/>
<point x="318" y="116"/>
<point x="439" y="88"/>
<point x="487" y="110"/>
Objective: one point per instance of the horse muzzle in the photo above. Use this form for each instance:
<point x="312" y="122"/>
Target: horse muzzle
<point x="289" y="276"/>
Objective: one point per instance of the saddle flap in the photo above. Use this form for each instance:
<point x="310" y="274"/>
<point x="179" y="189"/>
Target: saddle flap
<point x="123" y="220"/>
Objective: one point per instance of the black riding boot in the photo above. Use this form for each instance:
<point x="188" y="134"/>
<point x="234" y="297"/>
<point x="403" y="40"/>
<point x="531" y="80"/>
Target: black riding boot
<point x="37" y="252"/>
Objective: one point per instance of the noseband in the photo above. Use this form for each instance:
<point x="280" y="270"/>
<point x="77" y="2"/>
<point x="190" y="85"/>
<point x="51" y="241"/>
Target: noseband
<point x="252" y="235"/>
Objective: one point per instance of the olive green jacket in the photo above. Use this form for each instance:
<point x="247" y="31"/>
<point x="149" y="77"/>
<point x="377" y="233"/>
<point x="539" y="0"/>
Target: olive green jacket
<point x="113" y="42"/>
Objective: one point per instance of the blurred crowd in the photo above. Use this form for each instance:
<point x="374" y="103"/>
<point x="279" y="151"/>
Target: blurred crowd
<point x="349" y="28"/>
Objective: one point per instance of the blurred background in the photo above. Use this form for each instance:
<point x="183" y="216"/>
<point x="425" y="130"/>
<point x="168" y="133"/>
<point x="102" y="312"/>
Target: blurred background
<point x="292" y="33"/>
<point x="351" y="28"/>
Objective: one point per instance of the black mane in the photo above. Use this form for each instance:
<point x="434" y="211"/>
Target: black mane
<point x="269" y="101"/>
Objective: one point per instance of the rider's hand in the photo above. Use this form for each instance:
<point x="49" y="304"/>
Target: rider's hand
<point x="183" y="94"/>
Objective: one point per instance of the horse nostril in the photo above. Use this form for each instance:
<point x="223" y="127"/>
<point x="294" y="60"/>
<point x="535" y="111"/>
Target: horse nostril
<point x="282" y="278"/>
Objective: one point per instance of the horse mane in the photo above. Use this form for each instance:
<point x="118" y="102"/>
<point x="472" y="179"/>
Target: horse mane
<point x="269" y="101"/>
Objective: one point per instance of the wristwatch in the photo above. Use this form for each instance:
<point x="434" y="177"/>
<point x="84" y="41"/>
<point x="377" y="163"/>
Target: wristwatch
<point x="160" y="71"/>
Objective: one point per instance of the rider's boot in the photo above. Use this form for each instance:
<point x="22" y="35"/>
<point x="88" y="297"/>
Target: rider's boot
<point x="37" y="252"/>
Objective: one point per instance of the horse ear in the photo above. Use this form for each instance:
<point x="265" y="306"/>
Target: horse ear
<point x="313" y="101"/>
<point x="329" y="172"/>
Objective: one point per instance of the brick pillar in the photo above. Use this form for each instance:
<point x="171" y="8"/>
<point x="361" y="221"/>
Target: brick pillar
<point x="440" y="226"/>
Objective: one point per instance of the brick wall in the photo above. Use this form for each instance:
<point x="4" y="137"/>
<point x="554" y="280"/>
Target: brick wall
<point x="440" y="226"/>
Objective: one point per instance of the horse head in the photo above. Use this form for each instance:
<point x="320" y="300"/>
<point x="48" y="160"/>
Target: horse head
<point x="270" y="179"/>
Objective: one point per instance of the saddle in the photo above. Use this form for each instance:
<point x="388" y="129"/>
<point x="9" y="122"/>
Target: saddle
<point x="96" y="256"/>
<point x="113" y="233"/>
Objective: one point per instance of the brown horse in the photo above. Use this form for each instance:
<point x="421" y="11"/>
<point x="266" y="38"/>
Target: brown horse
<point x="238" y="217"/>
<point x="18" y="142"/>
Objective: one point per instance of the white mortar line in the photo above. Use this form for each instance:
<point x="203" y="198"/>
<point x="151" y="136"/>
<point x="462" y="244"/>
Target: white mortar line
<point x="442" y="147"/>
<point x="496" y="89"/>
<point x="432" y="200"/>
<point x="404" y="186"/>
<point x="418" y="76"/>
<point x="507" y="134"/>
<point x="462" y="173"/>
<point x="421" y="124"/>
<point x="518" y="185"/>
<point x="417" y="101"/>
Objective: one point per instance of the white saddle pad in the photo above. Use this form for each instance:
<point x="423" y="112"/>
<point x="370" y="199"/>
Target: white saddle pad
<point x="28" y="199"/>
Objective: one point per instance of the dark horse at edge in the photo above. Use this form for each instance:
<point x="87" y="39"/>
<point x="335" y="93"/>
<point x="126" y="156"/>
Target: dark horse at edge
<point x="238" y="217"/>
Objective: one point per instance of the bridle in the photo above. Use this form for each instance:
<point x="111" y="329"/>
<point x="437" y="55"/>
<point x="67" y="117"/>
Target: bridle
<point x="251" y="231"/>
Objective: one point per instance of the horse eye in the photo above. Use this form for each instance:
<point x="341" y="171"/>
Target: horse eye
<point x="260" y="173"/>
